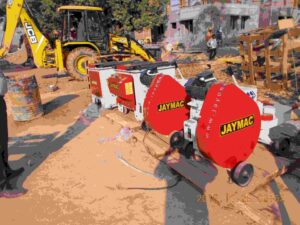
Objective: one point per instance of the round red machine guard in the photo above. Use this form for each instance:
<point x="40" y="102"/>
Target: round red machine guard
<point x="229" y="126"/>
<point x="166" y="90"/>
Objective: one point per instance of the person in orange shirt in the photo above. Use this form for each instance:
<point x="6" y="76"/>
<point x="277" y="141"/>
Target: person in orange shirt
<point x="208" y="34"/>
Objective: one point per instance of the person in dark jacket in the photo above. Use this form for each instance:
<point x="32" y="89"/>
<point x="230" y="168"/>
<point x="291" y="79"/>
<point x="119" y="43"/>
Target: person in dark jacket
<point x="219" y="36"/>
<point x="6" y="173"/>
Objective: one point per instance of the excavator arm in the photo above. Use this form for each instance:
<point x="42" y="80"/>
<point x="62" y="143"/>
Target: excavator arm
<point x="13" y="11"/>
<point x="43" y="55"/>
<point x="129" y="45"/>
<point x="18" y="9"/>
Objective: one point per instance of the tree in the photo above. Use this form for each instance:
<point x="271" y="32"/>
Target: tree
<point x="128" y="15"/>
<point x="137" y="14"/>
<point x="2" y="7"/>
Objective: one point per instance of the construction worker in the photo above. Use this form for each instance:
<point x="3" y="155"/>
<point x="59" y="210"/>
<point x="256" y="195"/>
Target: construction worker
<point x="212" y="47"/>
<point x="167" y="53"/>
<point x="6" y="173"/>
<point x="219" y="36"/>
<point x="209" y="34"/>
<point x="73" y="34"/>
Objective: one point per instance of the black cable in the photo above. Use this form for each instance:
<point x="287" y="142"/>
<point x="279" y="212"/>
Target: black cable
<point x="179" y="178"/>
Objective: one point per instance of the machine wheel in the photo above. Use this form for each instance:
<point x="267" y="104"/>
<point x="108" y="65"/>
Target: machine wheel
<point x="125" y="110"/>
<point x="76" y="62"/>
<point x="282" y="146"/>
<point x="146" y="79"/>
<point x="177" y="139"/>
<point x="242" y="174"/>
<point x="98" y="103"/>
<point x="145" y="127"/>
<point x="188" y="150"/>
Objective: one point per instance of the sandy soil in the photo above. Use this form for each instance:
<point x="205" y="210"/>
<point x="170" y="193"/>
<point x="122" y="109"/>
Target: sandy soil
<point x="73" y="178"/>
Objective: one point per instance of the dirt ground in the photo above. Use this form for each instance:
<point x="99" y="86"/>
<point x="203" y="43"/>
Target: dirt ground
<point x="72" y="178"/>
<point x="76" y="173"/>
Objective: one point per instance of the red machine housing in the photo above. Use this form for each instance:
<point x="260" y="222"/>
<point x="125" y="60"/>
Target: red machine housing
<point x="95" y="84"/>
<point x="229" y="125"/>
<point x="165" y="105"/>
<point x="121" y="85"/>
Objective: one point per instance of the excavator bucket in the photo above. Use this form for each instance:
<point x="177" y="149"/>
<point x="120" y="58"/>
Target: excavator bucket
<point x="18" y="57"/>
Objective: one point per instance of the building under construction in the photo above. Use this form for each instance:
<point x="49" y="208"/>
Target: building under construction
<point x="188" y="20"/>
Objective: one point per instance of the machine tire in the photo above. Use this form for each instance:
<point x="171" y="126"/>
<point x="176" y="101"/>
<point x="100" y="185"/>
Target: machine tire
<point x="242" y="174"/>
<point x="98" y="103"/>
<point x="177" y="139"/>
<point x="146" y="79"/>
<point x="76" y="59"/>
<point x="282" y="146"/>
<point x="125" y="110"/>
<point x="145" y="127"/>
<point x="187" y="151"/>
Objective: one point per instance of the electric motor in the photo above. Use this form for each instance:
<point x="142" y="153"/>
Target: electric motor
<point x="198" y="86"/>
<point x="147" y="76"/>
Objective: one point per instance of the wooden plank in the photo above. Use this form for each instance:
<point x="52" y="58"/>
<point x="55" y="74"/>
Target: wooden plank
<point x="294" y="32"/>
<point x="255" y="215"/>
<point x="122" y="121"/>
<point x="295" y="4"/>
<point x="251" y="37"/>
<point x="262" y="69"/>
<point x="268" y="69"/>
<point x="293" y="44"/>
<point x="276" y="53"/>
<point x="250" y="64"/>
<point x="285" y="60"/>
<point x="155" y="145"/>
<point x="242" y="53"/>
<point x="257" y="37"/>
<point x="244" y="38"/>
<point x="286" y="23"/>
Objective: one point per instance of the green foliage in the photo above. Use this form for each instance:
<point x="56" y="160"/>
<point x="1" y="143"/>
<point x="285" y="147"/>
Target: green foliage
<point x="2" y="7"/>
<point x="127" y="15"/>
<point x="137" y="14"/>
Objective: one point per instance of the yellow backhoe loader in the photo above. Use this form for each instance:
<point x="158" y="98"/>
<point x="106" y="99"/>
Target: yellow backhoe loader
<point x="83" y="37"/>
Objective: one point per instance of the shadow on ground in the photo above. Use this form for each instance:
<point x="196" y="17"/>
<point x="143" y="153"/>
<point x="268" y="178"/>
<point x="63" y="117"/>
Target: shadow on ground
<point x="291" y="180"/>
<point x="58" y="102"/>
<point x="182" y="199"/>
<point x="37" y="148"/>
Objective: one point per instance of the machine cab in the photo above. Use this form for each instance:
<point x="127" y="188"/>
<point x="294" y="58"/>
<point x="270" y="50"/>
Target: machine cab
<point x="83" y="24"/>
